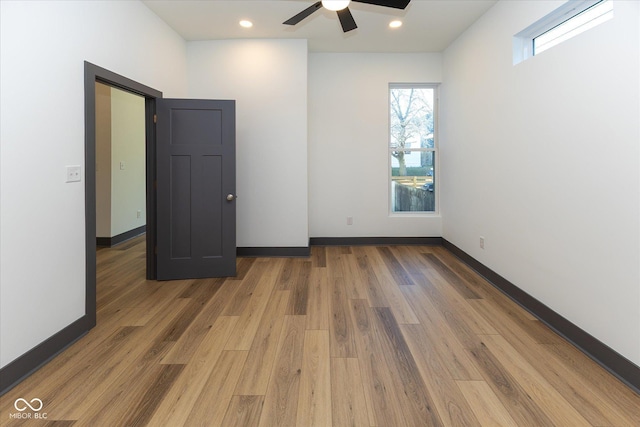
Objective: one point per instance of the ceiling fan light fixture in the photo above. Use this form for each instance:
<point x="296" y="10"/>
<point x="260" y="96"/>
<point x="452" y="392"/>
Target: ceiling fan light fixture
<point x="335" y="4"/>
<point x="341" y="7"/>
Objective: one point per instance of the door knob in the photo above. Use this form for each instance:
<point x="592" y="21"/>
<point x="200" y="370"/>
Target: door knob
<point x="230" y="197"/>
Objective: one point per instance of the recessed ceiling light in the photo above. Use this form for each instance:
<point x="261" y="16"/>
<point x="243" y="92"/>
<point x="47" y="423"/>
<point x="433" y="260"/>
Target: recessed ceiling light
<point x="395" y="24"/>
<point x="246" y="24"/>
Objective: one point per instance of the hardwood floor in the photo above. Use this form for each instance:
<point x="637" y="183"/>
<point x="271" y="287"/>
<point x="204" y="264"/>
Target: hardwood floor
<point x="352" y="336"/>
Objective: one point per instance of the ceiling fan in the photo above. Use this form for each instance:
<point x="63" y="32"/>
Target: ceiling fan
<point x="342" y="8"/>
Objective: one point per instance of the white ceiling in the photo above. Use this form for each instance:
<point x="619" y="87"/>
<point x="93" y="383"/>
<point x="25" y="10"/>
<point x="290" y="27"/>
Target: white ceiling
<point x="428" y="25"/>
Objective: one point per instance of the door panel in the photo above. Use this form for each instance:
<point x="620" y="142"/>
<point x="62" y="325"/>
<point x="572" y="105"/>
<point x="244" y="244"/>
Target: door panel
<point x="212" y="236"/>
<point x="180" y="207"/>
<point x="195" y="173"/>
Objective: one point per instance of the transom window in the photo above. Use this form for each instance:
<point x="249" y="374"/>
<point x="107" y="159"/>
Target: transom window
<point x="567" y="21"/>
<point x="412" y="147"/>
<point x="578" y="23"/>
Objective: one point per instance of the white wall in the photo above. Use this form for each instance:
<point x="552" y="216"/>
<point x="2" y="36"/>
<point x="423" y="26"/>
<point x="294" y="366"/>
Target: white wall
<point x="348" y="143"/>
<point x="542" y="159"/>
<point x="268" y="80"/>
<point x="42" y="243"/>
<point x="128" y="192"/>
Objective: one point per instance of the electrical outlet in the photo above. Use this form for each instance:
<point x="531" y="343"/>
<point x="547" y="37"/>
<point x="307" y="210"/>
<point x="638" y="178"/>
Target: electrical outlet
<point x="481" y="242"/>
<point x="349" y="220"/>
<point x="73" y="174"/>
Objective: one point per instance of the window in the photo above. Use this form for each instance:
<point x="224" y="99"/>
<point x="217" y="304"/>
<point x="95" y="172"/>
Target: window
<point x="412" y="147"/>
<point x="569" y="20"/>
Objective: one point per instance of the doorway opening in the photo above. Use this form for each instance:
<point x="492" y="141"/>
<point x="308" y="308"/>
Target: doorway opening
<point x="93" y="74"/>
<point x="120" y="166"/>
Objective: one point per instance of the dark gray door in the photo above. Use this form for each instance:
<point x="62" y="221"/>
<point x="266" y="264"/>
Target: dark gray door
<point x="196" y="174"/>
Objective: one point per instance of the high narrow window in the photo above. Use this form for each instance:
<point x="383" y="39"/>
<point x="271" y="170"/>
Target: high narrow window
<point x="569" y="20"/>
<point x="412" y="147"/>
<point x="588" y="18"/>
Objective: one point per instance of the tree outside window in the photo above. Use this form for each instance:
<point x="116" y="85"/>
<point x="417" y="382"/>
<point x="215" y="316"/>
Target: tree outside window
<point x="412" y="147"/>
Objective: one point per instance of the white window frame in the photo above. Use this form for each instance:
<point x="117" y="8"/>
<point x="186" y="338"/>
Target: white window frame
<point x="524" y="42"/>
<point x="436" y="165"/>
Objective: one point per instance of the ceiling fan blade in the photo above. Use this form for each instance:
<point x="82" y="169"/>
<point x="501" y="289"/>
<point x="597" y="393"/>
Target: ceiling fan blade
<point x="396" y="4"/>
<point x="346" y="20"/>
<point x="299" y="17"/>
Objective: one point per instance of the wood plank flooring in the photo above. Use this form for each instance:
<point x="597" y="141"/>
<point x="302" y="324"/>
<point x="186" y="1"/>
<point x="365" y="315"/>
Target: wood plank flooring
<point x="352" y="336"/>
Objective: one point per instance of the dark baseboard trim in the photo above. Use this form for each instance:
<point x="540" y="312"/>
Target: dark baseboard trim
<point x="13" y="373"/>
<point x="293" y="252"/>
<point x="115" y="240"/>
<point x="605" y="356"/>
<point x="364" y="241"/>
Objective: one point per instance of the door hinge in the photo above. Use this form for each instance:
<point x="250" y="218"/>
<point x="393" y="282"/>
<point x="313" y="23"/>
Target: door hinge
<point x="155" y="118"/>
